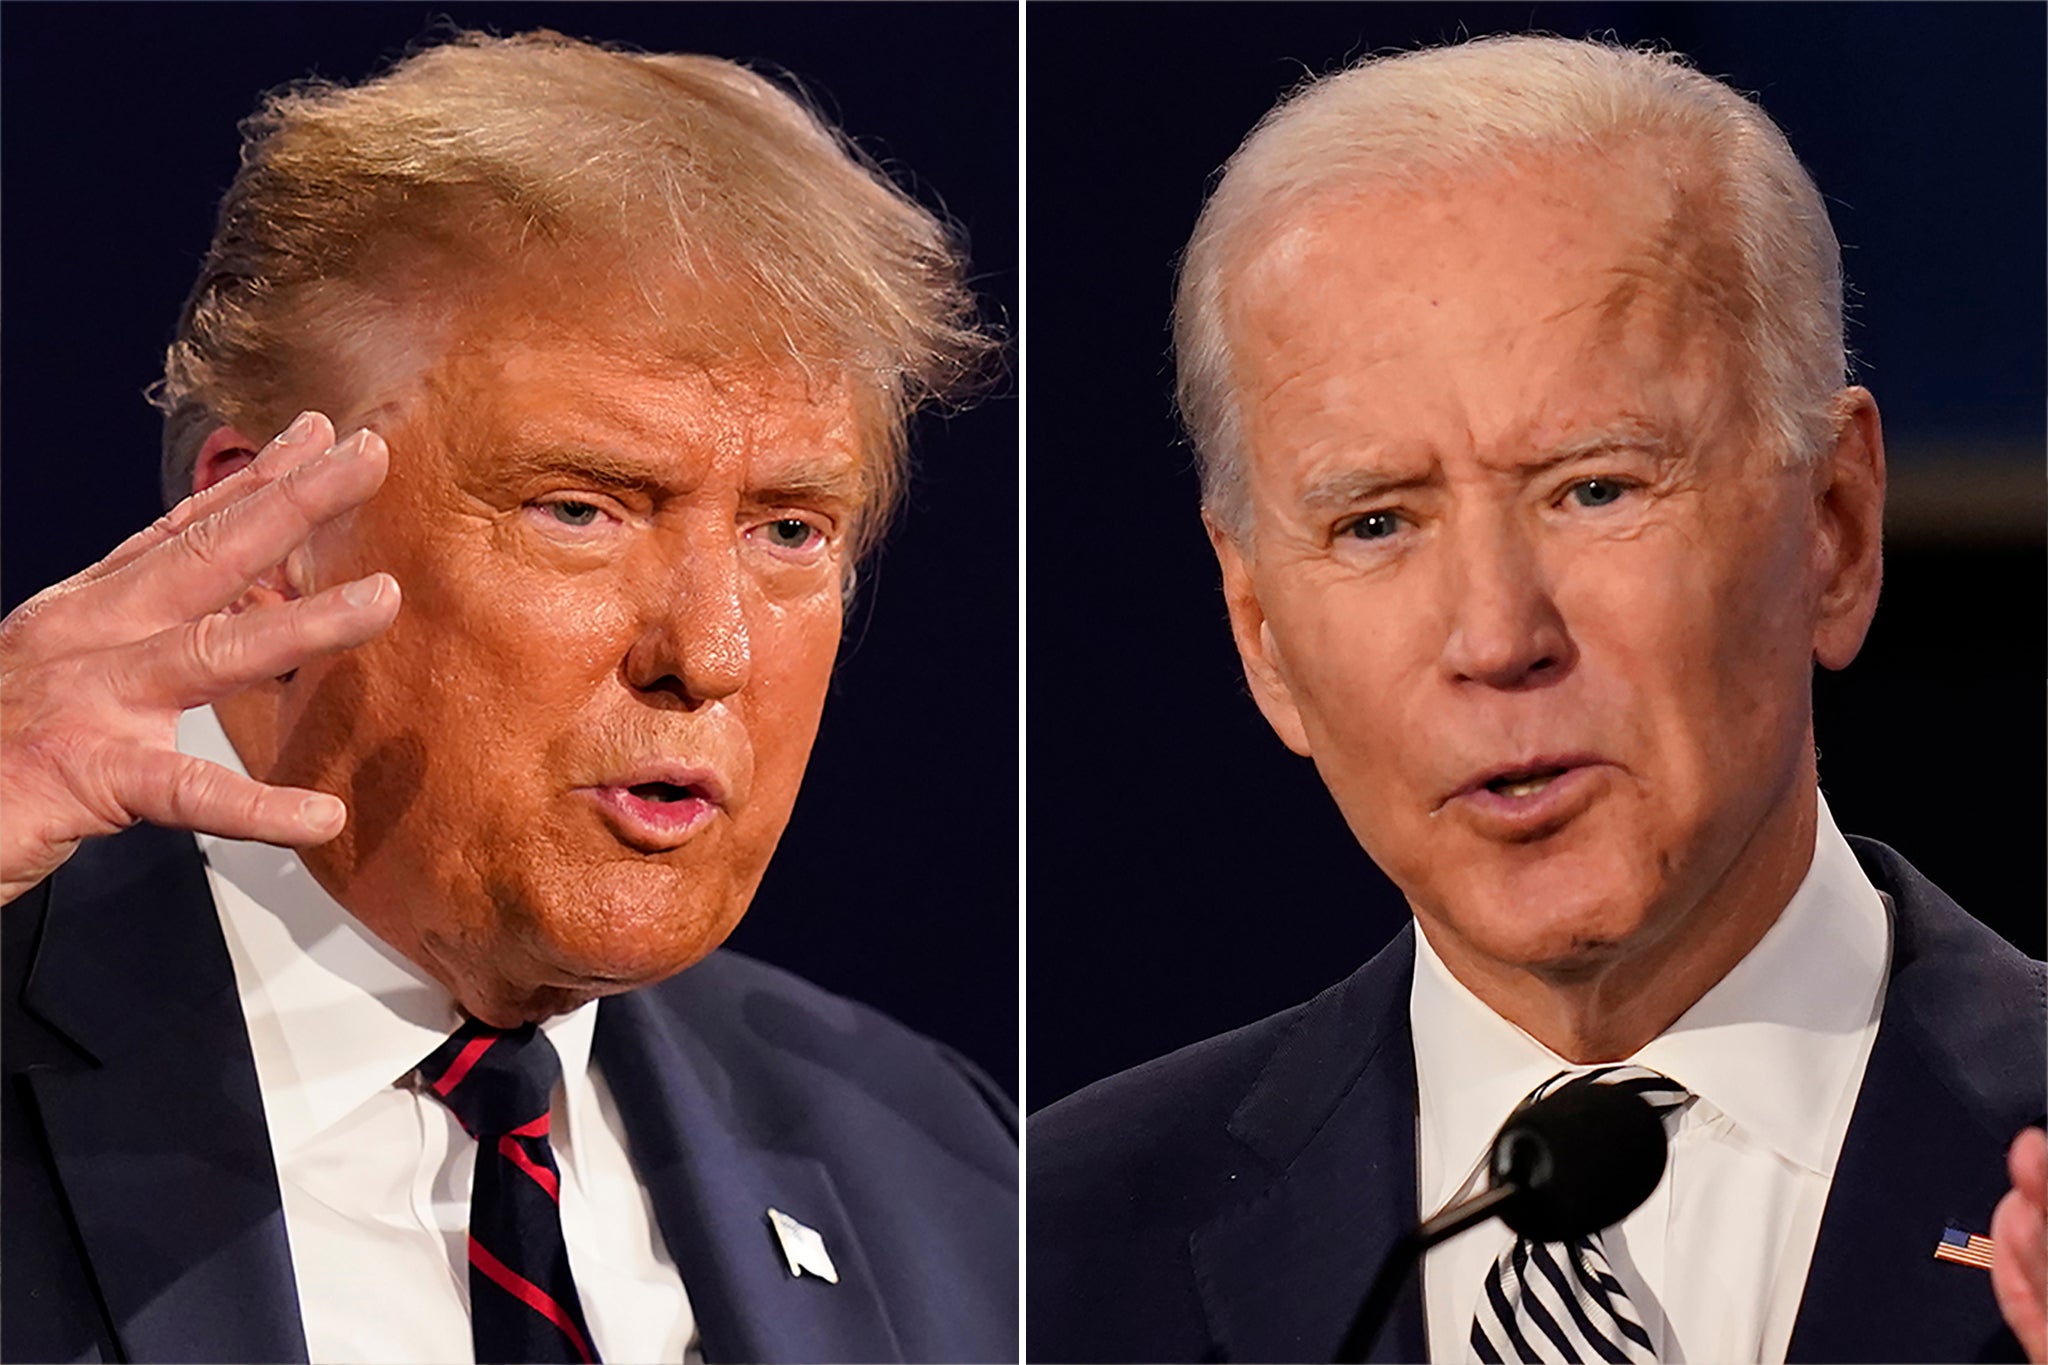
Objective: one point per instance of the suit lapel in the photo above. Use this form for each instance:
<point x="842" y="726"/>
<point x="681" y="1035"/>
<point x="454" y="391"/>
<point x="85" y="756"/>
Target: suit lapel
<point x="1925" y="1147"/>
<point x="1954" y="1072"/>
<point x="712" y="1184"/>
<point x="157" y="1136"/>
<point x="1333" y="1113"/>
<point x="1909" y="1167"/>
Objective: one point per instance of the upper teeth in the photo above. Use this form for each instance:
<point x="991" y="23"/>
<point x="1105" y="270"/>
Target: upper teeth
<point x="1526" y="787"/>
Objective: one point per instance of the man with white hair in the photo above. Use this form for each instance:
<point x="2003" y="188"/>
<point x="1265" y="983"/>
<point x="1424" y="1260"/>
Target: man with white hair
<point x="1516" y="373"/>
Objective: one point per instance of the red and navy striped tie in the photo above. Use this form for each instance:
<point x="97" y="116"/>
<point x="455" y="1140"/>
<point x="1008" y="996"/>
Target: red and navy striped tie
<point x="523" y="1308"/>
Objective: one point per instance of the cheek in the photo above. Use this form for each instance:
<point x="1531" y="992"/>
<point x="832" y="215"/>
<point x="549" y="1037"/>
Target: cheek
<point x="484" y="668"/>
<point x="1769" y="599"/>
<point x="794" y="646"/>
<point x="1643" y="610"/>
<point x="546" y="638"/>
<point x="1692" y="645"/>
<point x="1722" y="603"/>
<point x="517" y="654"/>
<point x="1357" y="663"/>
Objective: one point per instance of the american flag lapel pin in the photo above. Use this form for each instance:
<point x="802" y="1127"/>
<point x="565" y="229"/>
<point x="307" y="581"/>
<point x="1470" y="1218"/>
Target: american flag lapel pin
<point x="1964" y="1248"/>
<point x="802" y="1247"/>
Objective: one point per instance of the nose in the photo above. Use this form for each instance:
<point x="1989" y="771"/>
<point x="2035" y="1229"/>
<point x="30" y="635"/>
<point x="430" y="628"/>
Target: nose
<point x="1503" y="625"/>
<point x="692" y="641"/>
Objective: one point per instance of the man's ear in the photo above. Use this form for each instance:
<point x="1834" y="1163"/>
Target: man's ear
<point x="1848" y="491"/>
<point x="1263" y="668"/>
<point x="225" y="451"/>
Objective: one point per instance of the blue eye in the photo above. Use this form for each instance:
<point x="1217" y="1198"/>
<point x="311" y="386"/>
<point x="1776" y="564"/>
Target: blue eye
<point x="1374" y="526"/>
<point x="573" y="513"/>
<point x="1595" y="492"/>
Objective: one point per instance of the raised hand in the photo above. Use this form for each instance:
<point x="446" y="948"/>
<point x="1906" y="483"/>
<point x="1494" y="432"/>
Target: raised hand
<point x="2019" y="1231"/>
<point x="95" y="671"/>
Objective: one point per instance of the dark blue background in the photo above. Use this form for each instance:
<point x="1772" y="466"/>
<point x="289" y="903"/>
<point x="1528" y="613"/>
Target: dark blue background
<point x="1186" y="873"/>
<point x="897" y="882"/>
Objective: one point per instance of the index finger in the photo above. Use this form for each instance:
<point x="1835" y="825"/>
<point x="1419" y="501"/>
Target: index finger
<point x="2026" y="1161"/>
<point x="213" y="561"/>
<point x="308" y="435"/>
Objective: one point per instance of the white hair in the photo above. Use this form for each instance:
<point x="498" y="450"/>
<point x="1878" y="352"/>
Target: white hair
<point x="1466" y="109"/>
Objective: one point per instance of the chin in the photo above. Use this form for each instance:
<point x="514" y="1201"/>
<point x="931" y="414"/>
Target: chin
<point x="1565" y="913"/>
<point x="637" y="922"/>
<point x="564" y="937"/>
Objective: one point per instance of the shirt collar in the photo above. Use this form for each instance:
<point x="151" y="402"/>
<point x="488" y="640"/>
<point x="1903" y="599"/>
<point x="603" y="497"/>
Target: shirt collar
<point x="335" y="1014"/>
<point x="1806" y="996"/>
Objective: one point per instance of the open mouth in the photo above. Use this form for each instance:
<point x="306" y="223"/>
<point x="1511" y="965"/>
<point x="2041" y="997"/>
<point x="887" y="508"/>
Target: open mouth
<point x="656" y="814"/>
<point x="662" y="792"/>
<point x="1524" y="783"/>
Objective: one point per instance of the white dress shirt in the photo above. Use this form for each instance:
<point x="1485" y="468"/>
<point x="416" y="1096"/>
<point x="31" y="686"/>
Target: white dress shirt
<point x="1715" y="1260"/>
<point x="376" y="1172"/>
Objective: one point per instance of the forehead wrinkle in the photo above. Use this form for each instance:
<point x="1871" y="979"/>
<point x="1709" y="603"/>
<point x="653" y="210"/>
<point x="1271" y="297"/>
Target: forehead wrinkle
<point x="1628" y="433"/>
<point x="1654" y="275"/>
<point x="1348" y="487"/>
<point x="1528" y="449"/>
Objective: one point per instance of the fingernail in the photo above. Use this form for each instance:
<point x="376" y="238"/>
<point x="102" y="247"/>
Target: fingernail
<point x="322" y="813"/>
<point x="293" y="446"/>
<point x="299" y="430"/>
<point x="364" y="591"/>
<point x="350" y="448"/>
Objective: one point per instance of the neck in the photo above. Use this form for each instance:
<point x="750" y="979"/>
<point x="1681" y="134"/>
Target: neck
<point x="250" y="721"/>
<point x="1606" y="1010"/>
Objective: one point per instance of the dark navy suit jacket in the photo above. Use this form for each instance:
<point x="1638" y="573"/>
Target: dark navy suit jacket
<point x="1233" y="1200"/>
<point x="141" y="1216"/>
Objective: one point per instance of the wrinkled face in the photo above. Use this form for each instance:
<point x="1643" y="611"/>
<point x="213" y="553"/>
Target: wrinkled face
<point x="568" y="761"/>
<point x="1519" y="578"/>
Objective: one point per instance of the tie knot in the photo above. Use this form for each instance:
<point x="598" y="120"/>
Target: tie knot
<point x="496" y="1081"/>
<point x="1659" y="1091"/>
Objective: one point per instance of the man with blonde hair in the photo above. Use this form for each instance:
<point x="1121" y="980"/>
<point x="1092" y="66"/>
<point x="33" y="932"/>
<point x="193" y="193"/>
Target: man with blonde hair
<point x="1516" y="373"/>
<point x="592" y="371"/>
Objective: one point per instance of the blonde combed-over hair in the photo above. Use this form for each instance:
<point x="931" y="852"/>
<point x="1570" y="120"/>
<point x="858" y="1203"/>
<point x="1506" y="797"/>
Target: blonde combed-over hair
<point x="671" y="170"/>
<point x="1423" y="116"/>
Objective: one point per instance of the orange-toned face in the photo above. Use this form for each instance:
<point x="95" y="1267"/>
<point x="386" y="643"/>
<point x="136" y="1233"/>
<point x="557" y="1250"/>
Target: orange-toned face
<point x="569" y="760"/>
<point x="1520" y="577"/>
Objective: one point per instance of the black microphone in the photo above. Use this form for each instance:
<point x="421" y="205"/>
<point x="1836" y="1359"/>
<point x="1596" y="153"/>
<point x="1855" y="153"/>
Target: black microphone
<point x="1570" y="1164"/>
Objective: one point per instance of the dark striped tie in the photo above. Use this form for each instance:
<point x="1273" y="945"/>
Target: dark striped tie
<point x="1559" y="1301"/>
<point x="523" y="1307"/>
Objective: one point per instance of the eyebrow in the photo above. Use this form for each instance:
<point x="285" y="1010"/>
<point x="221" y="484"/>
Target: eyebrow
<point x="598" y="468"/>
<point x="803" y="479"/>
<point x="1350" y="487"/>
<point x="812" y="481"/>
<point x="1627" y="435"/>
